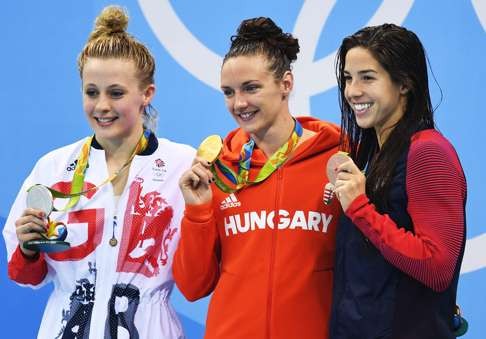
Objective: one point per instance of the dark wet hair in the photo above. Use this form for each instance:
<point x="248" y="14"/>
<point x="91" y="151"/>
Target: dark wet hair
<point x="261" y="36"/>
<point x="400" y="52"/>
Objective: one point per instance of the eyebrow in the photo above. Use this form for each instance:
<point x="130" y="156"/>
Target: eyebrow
<point x="363" y="71"/>
<point x="248" y="82"/>
<point x="243" y="84"/>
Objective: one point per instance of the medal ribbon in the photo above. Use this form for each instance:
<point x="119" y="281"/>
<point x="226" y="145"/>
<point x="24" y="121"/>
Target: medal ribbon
<point x="82" y="165"/>
<point x="241" y="180"/>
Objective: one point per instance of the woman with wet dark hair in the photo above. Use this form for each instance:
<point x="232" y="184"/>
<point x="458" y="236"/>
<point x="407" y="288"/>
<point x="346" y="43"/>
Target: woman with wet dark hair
<point x="256" y="231"/>
<point x="401" y="241"/>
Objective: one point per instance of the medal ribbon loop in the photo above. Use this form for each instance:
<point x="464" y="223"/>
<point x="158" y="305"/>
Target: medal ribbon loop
<point x="241" y="179"/>
<point x="80" y="171"/>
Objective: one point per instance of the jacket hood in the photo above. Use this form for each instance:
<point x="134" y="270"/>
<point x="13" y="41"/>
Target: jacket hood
<point x="326" y="137"/>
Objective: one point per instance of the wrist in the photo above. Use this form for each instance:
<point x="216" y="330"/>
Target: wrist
<point x="28" y="254"/>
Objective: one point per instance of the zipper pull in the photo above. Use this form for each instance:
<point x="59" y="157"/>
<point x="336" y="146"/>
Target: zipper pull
<point x="113" y="240"/>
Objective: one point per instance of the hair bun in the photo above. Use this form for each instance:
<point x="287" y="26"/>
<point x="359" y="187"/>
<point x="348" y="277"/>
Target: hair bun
<point x="113" y="19"/>
<point x="258" y="29"/>
<point x="264" y="29"/>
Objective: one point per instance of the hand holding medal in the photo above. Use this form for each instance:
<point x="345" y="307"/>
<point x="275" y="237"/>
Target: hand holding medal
<point x="39" y="197"/>
<point x="332" y="166"/>
<point x="195" y="182"/>
<point x="347" y="180"/>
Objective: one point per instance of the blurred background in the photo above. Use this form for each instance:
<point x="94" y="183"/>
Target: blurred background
<point x="40" y="97"/>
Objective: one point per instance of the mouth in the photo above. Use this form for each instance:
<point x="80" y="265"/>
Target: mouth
<point x="105" y="121"/>
<point x="248" y="115"/>
<point x="361" y="108"/>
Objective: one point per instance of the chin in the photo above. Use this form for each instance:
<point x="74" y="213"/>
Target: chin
<point x="250" y="129"/>
<point x="107" y="134"/>
<point x="362" y="123"/>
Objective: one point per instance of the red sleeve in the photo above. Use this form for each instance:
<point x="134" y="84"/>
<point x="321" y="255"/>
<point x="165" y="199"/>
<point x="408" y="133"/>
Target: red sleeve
<point x="436" y="191"/>
<point x="26" y="270"/>
<point x="196" y="262"/>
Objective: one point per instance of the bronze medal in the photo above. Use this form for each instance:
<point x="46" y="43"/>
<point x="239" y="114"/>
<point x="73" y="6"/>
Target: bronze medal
<point x="333" y="163"/>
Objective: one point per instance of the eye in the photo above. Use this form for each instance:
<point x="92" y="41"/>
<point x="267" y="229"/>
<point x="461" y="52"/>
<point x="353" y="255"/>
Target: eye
<point x="116" y="93"/>
<point x="228" y="92"/>
<point x="91" y="92"/>
<point x="347" y="78"/>
<point x="368" y="78"/>
<point x="251" y="88"/>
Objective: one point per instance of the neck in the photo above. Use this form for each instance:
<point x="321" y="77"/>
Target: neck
<point x="270" y="140"/>
<point x="384" y="131"/>
<point x="383" y="134"/>
<point x="120" y="150"/>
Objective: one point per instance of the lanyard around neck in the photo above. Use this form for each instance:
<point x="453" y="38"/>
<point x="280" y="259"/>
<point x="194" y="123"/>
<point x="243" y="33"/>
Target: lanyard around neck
<point x="80" y="172"/>
<point x="241" y="180"/>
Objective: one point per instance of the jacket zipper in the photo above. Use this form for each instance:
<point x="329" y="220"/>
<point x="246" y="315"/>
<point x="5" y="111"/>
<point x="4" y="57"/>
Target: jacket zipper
<point x="272" y="256"/>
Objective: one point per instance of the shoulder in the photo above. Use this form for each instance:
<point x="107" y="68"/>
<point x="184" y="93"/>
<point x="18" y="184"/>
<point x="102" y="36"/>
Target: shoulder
<point x="61" y="153"/>
<point x="431" y="138"/>
<point x="176" y="149"/>
<point x="431" y="143"/>
<point x="319" y="126"/>
<point x="430" y="151"/>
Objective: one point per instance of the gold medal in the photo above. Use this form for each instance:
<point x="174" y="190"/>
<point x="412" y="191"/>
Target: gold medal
<point x="113" y="242"/>
<point x="210" y="148"/>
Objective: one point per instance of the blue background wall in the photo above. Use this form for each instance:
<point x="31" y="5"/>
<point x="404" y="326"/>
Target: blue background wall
<point x="40" y="97"/>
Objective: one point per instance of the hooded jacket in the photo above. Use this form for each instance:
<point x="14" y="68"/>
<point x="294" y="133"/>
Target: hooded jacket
<point x="267" y="250"/>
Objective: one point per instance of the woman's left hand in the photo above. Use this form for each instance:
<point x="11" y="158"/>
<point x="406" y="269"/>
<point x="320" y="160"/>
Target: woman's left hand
<point x="350" y="183"/>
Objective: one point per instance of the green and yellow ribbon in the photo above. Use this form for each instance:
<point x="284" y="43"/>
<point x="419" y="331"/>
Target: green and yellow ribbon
<point x="80" y="172"/>
<point x="241" y="179"/>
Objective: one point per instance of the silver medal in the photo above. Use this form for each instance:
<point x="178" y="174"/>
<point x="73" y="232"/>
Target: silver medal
<point x="40" y="198"/>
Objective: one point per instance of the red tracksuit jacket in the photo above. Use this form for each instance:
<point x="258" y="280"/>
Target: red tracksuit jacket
<point x="266" y="251"/>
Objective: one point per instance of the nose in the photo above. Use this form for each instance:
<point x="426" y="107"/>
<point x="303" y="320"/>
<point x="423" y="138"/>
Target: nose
<point x="102" y="104"/>
<point x="240" y="102"/>
<point x="353" y="89"/>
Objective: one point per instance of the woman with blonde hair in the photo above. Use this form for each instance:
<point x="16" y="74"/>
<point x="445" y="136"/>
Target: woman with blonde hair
<point x="124" y="204"/>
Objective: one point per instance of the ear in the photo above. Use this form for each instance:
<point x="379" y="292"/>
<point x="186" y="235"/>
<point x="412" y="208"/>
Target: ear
<point x="148" y="94"/>
<point x="287" y="84"/>
<point x="403" y="89"/>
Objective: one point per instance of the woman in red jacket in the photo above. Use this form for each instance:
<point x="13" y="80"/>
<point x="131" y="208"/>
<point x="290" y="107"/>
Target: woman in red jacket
<point x="256" y="230"/>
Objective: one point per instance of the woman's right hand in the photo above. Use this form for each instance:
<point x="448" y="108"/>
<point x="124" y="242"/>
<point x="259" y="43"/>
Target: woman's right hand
<point x="29" y="227"/>
<point x="195" y="183"/>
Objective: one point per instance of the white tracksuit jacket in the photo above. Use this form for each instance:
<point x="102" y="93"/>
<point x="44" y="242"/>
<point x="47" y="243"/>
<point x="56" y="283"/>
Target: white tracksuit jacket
<point x="102" y="291"/>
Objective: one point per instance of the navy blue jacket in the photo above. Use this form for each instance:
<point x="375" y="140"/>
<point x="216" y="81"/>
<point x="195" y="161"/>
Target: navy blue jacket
<point x="374" y="299"/>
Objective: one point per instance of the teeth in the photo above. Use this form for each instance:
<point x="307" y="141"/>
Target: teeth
<point x="360" y="107"/>
<point x="105" y="119"/>
<point x="246" y="115"/>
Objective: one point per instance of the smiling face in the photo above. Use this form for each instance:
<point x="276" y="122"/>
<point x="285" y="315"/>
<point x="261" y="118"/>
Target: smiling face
<point x="113" y="100"/>
<point x="376" y="100"/>
<point x="257" y="101"/>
